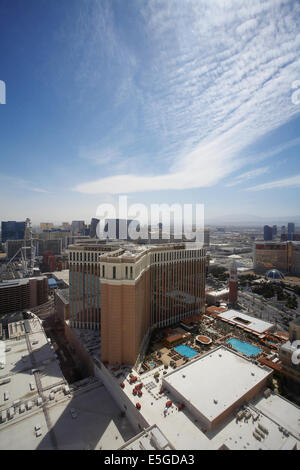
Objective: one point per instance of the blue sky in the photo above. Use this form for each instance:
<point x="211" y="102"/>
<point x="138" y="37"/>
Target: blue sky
<point x="167" y="101"/>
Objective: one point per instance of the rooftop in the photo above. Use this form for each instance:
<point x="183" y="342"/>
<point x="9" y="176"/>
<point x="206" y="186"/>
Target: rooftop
<point x="222" y="366"/>
<point x="85" y="419"/>
<point x="39" y="410"/>
<point x="64" y="275"/>
<point x="27" y="351"/>
<point x="185" y="431"/>
<point x="246" y="321"/>
<point x="150" y="439"/>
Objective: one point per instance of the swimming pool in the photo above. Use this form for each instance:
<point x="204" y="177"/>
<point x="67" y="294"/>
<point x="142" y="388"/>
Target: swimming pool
<point x="185" y="351"/>
<point x="243" y="347"/>
<point x="152" y="364"/>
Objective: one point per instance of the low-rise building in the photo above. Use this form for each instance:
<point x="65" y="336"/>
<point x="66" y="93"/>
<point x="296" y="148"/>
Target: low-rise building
<point x="290" y="359"/>
<point x="18" y="295"/>
<point x="246" y="322"/>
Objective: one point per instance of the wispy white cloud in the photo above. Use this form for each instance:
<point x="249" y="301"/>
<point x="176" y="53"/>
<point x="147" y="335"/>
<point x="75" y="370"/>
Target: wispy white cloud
<point x="275" y="150"/>
<point x="247" y="176"/>
<point x="100" y="156"/>
<point x="23" y="184"/>
<point x="219" y="78"/>
<point x="291" y="182"/>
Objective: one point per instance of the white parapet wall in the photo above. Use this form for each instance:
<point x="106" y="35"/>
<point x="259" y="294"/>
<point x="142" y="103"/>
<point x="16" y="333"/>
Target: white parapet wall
<point x="134" y="416"/>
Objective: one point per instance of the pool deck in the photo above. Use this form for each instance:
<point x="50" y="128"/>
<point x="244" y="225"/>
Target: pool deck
<point x="186" y="351"/>
<point x="242" y="346"/>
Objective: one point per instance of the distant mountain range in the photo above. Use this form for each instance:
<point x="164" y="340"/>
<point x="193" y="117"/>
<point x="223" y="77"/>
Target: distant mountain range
<point x="251" y="220"/>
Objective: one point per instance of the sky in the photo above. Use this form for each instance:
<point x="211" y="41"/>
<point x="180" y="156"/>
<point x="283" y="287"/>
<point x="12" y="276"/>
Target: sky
<point x="166" y="101"/>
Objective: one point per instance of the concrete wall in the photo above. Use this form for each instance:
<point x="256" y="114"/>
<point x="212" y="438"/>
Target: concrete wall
<point x="134" y="416"/>
<point x="62" y="308"/>
<point x="84" y="363"/>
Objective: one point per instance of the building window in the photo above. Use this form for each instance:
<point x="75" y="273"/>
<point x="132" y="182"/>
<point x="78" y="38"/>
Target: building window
<point x="131" y="272"/>
<point x="126" y="272"/>
<point x="114" y="272"/>
<point x="103" y="271"/>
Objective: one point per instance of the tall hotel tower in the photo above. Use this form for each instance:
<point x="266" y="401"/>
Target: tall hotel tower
<point x="136" y="288"/>
<point x="233" y="284"/>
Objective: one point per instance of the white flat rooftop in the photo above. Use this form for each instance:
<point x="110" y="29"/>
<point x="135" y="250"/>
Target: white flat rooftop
<point x="96" y="424"/>
<point x="217" y="293"/>
<point x="183" y="431"/>
<point x="215" y="381"/>
<point x="62" y="275"/>
<point x="246" y="321"/>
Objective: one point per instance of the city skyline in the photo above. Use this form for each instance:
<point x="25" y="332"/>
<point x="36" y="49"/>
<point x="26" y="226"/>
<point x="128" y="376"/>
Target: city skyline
<point x="158" y="102"/>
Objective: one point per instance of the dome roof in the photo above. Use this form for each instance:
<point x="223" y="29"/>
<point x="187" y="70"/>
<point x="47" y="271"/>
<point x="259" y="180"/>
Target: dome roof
<point x="274" y="274"/>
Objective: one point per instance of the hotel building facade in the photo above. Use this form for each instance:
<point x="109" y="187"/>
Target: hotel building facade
<point x="136" y="289"/>
<point x="284" y="256"/>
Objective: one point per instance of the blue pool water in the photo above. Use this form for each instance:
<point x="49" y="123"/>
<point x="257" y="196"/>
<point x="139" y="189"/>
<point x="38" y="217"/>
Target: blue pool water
<point x="244" y="348"/>
<point x="185" y="351"/>
<point x="152" y="364"/>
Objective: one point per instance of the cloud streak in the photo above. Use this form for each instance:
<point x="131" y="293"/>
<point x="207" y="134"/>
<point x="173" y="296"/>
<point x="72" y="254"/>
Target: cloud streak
<point x="24" y="184"/>
<point x="247" y="176"/>
<point x="291" y="182"/>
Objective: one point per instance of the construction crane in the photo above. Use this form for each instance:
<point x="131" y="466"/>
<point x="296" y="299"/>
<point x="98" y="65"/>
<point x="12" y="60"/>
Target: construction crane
<point x="27" y="263"/>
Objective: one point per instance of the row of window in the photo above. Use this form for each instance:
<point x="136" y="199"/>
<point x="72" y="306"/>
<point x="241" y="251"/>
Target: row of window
<point x="157" y="257"/>
<point x="83" y="256"/>
<point x="175" y="255"/>
<point x="114" y="276"/>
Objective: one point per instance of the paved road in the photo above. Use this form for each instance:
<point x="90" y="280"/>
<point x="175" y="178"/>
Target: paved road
<point x="266" y="311"/>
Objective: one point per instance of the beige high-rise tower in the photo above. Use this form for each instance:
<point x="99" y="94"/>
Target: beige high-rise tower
<point x="142" y="288"/>
<point x="126" y="290"/>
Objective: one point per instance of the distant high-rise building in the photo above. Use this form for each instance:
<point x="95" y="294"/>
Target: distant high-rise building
<point x="66" y="226"/>
<point x="13" y="248"/>
<point x="93" y="227"/>
<point x="291" y="230"/>
<point x="78" y="227"/>
<point x="55" y="246"/>
<point x="12" y="230"/>
<point x="274" y="230"/>
<point x="283" y="230"/>
<point x="233" y="283"/>
<point x="206" y="237"/>
<point x="284" y="256"/>
<point x="46" y="226"/>
<point x="268" y="233"/>
<point x="120" y="228"/>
